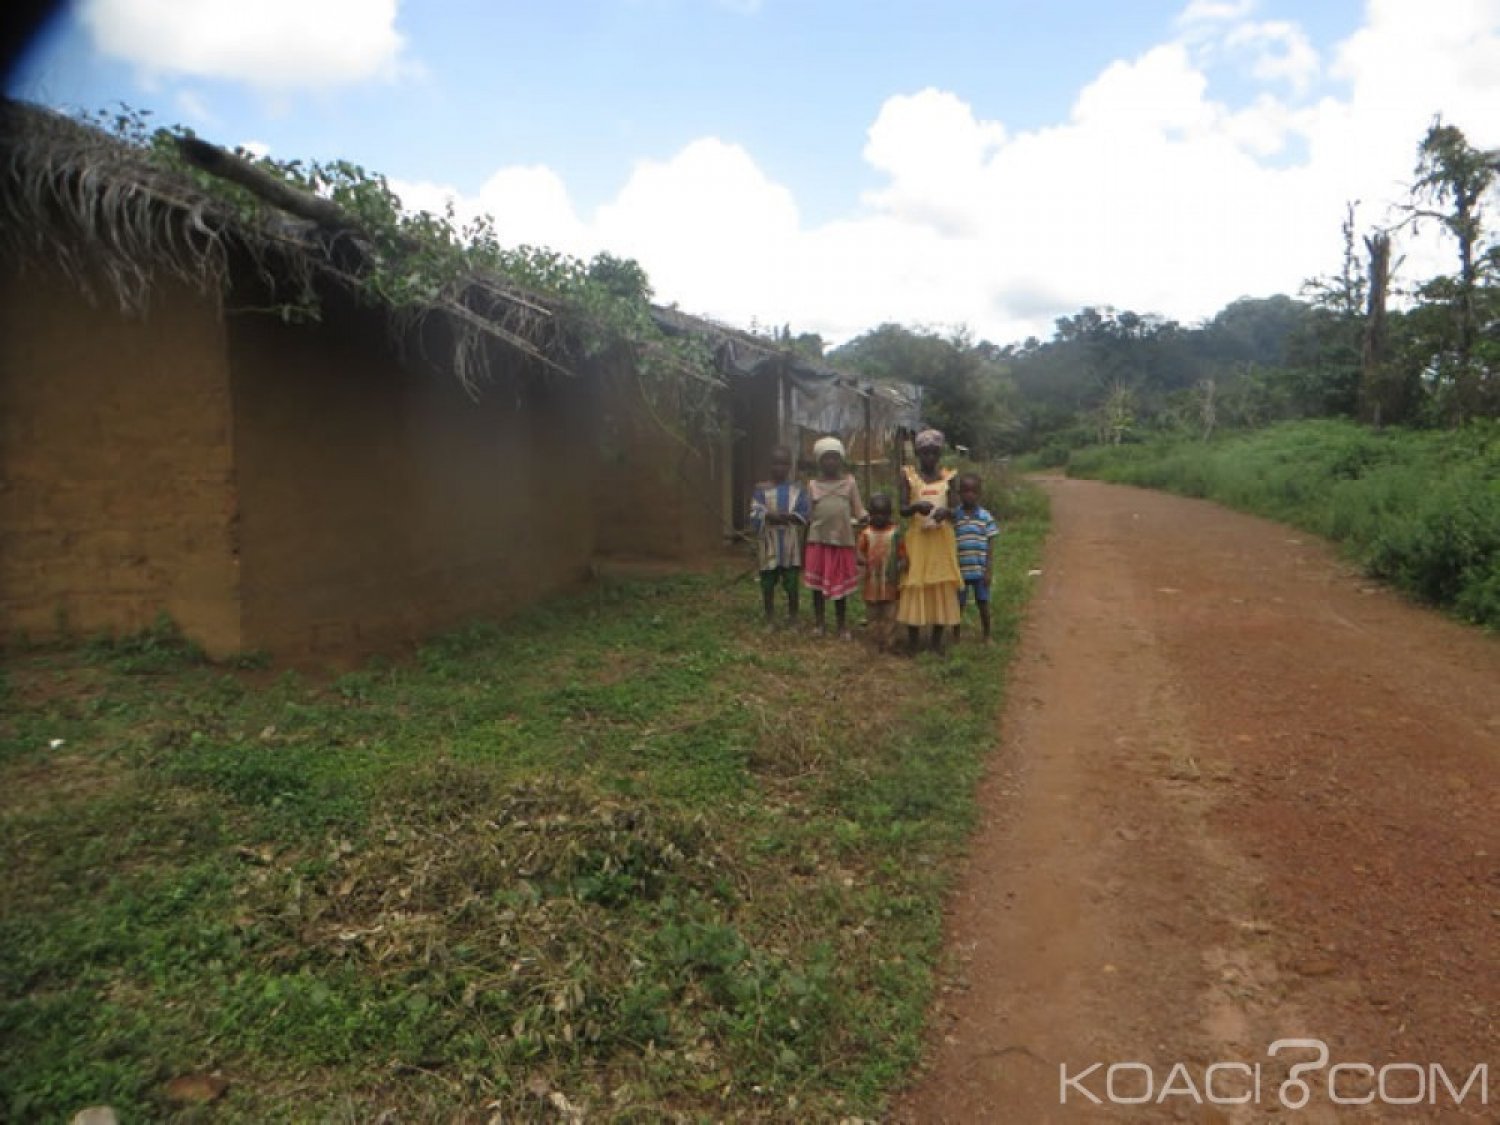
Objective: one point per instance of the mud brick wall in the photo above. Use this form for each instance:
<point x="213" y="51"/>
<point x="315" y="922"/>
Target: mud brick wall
<point x="379" y="504"/>
<point x="116" y="481"/>
<point x="297" y="489"/>
<point x="755" y="423"/>
<point x="658" y="496"/>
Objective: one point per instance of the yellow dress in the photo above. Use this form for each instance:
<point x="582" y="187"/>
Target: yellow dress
<point x="929" y="589"/>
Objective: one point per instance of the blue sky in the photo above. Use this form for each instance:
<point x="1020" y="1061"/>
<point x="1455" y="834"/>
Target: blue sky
<point x="834" y="164"/>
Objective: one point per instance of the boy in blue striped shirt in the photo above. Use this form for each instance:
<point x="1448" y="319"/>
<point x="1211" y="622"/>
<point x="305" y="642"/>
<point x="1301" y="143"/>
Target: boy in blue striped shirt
<point x="779" y="510"/>
<point x="976" y="531"/>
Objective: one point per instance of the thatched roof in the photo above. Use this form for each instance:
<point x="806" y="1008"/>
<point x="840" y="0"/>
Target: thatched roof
<point x="106" y="211"/>
<point x="116" y="218"/>
<point x="76" y="198"/>
<point x="828" y="399"/>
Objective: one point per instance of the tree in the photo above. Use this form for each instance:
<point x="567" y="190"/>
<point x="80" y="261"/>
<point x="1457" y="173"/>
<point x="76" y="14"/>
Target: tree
<point x="1208" y="407"/>
<point x="964" y="393"/>
<point x="622" y="277"/>
<point x="1114" y="417"/>
<point x="1375" y="389"/>
<point x="809" y="345"/>
<point x="1257" y="330"/>
<point x="1331" y="347"/>
<point x="1342" y="294"/>
<point x="1453" y="178"/>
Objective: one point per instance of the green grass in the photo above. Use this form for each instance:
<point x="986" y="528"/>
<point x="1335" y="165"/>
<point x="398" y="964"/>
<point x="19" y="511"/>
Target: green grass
<point x="1420" y="509"/>
<point x="626" y="850"/>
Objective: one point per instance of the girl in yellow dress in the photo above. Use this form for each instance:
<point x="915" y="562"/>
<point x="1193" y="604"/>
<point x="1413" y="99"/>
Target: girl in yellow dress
<point x="929" y="589"/>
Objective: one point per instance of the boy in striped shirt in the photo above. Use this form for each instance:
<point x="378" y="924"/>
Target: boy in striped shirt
<point x="975" y="530"/>
<point x="779" y="510"/>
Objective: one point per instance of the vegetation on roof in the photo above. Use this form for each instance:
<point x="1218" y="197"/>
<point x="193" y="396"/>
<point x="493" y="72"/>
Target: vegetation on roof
<point x="119" y="204"/>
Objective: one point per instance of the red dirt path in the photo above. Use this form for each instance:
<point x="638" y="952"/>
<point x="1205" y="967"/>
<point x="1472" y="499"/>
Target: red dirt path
<point x="1243" y="795"/>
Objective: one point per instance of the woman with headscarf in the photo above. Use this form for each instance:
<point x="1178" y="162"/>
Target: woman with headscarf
<point x="929" y="590"/>
<point x="829" y="567"/>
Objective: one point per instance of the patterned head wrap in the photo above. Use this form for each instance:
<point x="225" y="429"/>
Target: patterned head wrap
<point x="930" y="439"/>
<point x="827" y="445"/>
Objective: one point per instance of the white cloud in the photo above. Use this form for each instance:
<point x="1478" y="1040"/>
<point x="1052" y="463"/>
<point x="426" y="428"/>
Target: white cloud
<point x="1263" y="128"/>
<point x="1202" y="12"/>
<point x="1151" y="195"/>
<point x="932" y="148"/>
<point x="529" y="206"/>
<point x="424" y="195"/>
<point x="1281" y="52"/>
<point x="1161" y="90"/>
<point x="708" y="224"/>
<point x="1407" y="65"/>
<point x="1418" y="60"/>
<point x="270" y="44"/>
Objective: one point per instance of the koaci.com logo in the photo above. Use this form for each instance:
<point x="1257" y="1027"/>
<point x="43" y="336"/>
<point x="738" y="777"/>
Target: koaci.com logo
<point x="1308" y="1079"/>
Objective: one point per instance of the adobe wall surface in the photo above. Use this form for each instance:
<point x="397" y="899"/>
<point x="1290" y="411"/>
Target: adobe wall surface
<point x="380" y="505"/>
<point x="757" y="432"/>
<point x="660" y="494"/>
<point x="116" y="483"/>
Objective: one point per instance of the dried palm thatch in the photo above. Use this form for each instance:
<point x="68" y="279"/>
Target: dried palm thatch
<point x="117" y="220"/>
<point x="119" y="217"/>
<point x="96" y="208"/>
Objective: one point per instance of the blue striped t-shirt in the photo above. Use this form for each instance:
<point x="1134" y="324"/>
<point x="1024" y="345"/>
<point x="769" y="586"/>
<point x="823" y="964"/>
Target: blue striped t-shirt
<point x="974" y="528"/>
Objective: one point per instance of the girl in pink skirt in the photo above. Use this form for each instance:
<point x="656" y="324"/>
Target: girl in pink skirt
<point x="829" y="567"/>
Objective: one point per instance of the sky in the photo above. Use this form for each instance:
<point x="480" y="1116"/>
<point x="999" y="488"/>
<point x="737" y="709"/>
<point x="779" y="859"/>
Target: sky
<point x="832" y="165"/>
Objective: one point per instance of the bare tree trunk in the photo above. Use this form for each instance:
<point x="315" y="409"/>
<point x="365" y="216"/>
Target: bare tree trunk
<point x="1372" y="382"/>
<point x="1467" y="381"/>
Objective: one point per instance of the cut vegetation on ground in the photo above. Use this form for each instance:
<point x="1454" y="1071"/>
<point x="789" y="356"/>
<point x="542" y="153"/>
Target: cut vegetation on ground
<point x="626" y="854"/>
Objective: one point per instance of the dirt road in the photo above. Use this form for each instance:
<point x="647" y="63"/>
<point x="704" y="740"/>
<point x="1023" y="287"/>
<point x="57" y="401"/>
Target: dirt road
<point x="1243" y="796"/>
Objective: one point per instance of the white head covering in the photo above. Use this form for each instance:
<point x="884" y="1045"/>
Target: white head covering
<point x="827" y="445"/>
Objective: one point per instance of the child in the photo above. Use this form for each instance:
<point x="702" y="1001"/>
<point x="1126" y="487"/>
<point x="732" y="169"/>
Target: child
<point x="880" y="554"/>
<point x="929" y="592"/>
<point x="974" y="530"/>
<point x="831" y="571"/>
<point x="778" y="514"/>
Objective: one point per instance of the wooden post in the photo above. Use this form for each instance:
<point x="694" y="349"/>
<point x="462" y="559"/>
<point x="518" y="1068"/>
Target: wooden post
<point x="781" y="413"/>
<point x="869" y="444"/>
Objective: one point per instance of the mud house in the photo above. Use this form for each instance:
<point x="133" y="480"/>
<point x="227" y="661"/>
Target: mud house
<point x="173" y="439"/>
<point x="777" y="397"/>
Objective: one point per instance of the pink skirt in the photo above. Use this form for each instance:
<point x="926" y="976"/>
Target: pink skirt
<point x="832" y="571"/>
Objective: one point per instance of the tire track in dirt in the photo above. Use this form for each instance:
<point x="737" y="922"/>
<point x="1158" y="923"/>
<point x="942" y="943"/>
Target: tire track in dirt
<point x="1242" y="795"/>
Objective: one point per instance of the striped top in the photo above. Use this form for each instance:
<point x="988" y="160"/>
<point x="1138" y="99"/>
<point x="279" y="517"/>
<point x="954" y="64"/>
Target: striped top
<point x="974" y="528"/>
<point x="780" y="543"/>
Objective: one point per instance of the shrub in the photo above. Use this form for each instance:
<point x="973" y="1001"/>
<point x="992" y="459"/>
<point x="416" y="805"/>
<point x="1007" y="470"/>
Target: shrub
<point x="1053" y="455"/>
<point x="1418" y="508"/>
<point x="1448" y="544"/>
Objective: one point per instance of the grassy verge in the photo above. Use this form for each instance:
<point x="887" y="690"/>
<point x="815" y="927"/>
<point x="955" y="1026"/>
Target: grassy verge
<point x="1420" y="509"/>
<point x="627" y="854"/>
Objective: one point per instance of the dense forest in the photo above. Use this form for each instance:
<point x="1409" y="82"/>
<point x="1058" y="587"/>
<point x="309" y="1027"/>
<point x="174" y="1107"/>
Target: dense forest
<point x="1354" y="343"/>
